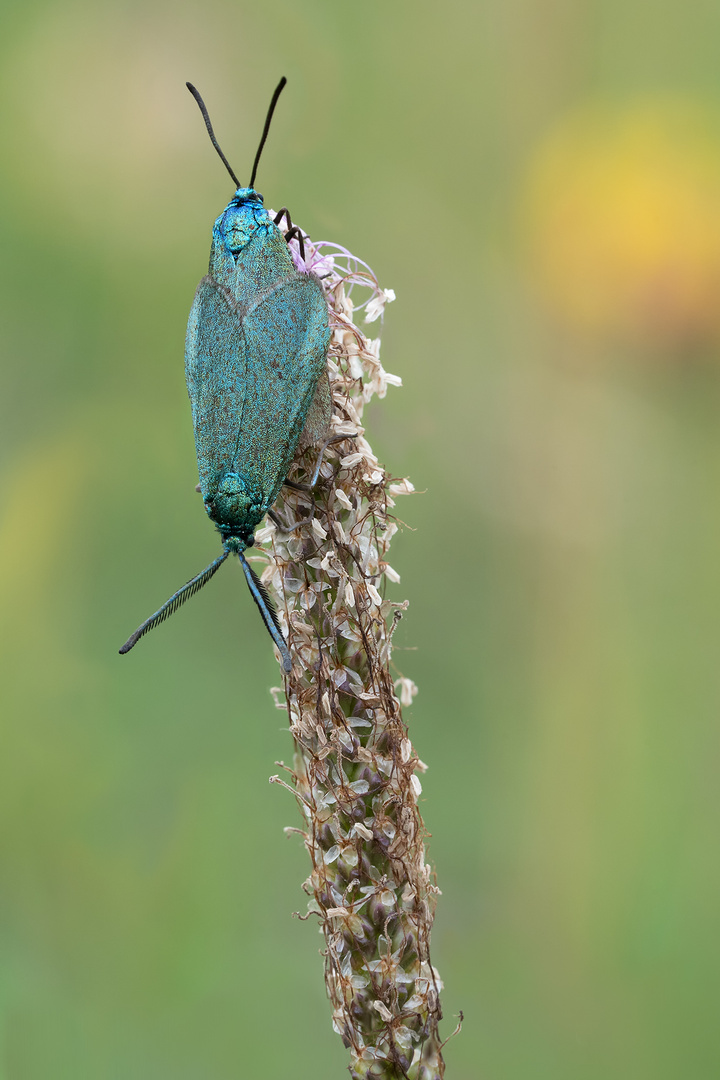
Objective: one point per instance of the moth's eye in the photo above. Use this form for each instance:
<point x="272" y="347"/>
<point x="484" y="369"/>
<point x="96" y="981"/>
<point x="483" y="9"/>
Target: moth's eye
<point x="250" y="541"/>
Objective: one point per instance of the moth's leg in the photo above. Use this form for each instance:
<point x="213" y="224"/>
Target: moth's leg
<point x="296" y="232"/>
<point x="283" y="527"/>
<point x="198" y="488"/>
<point x="277" y="521"/>
<point x="292" y="230"/>
<point x="307" y="488"/>
<point x="328" y="442"/>
<point x="279" y="216"/>
<point x="295" y="486"/>
<point x="305" y="521"/>
<point x="316" y="471"/>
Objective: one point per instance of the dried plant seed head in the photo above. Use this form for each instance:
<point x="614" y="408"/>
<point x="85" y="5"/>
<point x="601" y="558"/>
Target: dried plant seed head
<point x="353" y="770"/>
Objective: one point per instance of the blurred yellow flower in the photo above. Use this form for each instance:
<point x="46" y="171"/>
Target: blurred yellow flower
<point x="624" y="223"/>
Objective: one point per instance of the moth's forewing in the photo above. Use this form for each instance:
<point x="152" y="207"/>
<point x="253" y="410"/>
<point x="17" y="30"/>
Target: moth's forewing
<point x="287" y="338"/>
<point x="261" y="268"/>
<point x="215" y="370"/>
<point x="319" y="417"/>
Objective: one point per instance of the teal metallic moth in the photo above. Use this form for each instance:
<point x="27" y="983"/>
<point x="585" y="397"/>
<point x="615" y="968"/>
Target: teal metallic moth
<point x="256" y="372"/>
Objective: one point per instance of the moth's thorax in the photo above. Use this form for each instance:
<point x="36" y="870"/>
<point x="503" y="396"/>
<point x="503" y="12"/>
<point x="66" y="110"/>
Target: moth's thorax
<point x="235" y="507"/>
<point x="242" y="219"/>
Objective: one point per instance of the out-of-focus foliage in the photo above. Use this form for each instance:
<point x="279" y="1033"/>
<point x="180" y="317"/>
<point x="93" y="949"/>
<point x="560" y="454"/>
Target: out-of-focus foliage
<point x="539" y="184"/>
<point x="625" y="219"/>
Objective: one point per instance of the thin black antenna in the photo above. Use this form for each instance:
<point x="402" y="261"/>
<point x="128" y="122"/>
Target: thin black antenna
<point x="175" y="601"/>
<point x="271" y="110"/>
<point x="267" y="610"/>
<point x="211" y="133"/>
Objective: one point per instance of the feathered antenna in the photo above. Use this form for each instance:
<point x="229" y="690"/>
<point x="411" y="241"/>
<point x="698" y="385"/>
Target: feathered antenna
<point x="211" y="133"/>
<point x="267" y="610"/>
<point x="175" y="601"/>
<point x="278" y="91"/>
<point x="206" y="117"/>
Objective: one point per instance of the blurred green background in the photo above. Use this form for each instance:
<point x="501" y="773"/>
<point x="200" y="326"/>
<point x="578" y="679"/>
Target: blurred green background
<point x="540" y="184"/>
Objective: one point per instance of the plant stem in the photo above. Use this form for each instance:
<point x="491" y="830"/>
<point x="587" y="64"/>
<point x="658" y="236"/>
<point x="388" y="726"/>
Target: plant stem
<point x="354" y="772"/>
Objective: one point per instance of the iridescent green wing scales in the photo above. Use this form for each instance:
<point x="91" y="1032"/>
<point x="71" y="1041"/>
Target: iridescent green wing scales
<point x="287" y="338"/>
<point x="216" y="375"/>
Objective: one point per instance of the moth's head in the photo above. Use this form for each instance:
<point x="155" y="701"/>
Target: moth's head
<point x="245" y="196"/>
<point x="240" y="220"/>
<point x="235" y="508"/>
